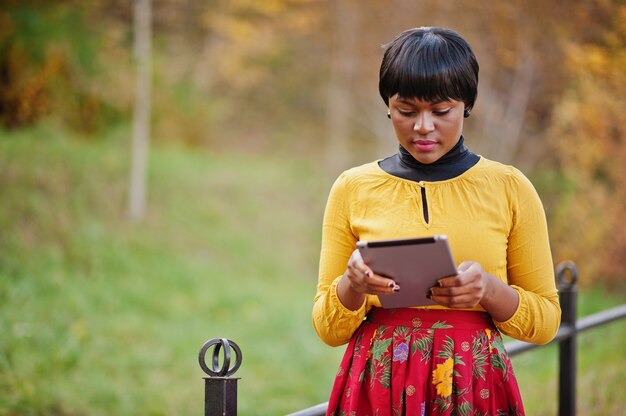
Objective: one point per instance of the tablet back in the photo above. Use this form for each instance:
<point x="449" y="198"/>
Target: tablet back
<point x="414" y="264"/>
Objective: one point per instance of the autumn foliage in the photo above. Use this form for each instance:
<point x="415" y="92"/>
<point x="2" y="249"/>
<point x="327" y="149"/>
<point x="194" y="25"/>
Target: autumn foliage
<point x="588" y="140"/>
<point x="300" y="76"/>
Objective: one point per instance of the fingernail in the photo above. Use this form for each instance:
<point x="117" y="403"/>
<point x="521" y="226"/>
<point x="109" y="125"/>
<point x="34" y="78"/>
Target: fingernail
<point x="391" y="284"/>
<point x="396" y="288"/>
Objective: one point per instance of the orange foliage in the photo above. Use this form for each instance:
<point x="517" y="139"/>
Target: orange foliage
<point x="259" y="72"/>
<point x="589" y="136"/>
<point x="49" y="65"/>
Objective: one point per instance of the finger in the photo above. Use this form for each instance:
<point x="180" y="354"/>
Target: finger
<point x="386" y="288"/>
<point x="356" y="269"/>
<point x="355" y="276"/>
<point x="356" y="258"/>
<point x="385" y="291"/>
<point x="380" y="280"/>
<point x="459" y="302"/>
<point x="373" y="289"/>
<point x="451" y="291"/>
<point x="451" y="281"/>
<point x="464" y="266"/>
<point x="356" y="261"/>
<point x="374" y="284"/>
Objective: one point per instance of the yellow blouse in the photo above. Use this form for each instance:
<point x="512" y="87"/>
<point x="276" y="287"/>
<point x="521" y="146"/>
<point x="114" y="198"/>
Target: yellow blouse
<point x="491" y="214"/>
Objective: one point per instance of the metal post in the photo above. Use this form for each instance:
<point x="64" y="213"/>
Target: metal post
<point x="567" y="347"/>
<point x="220" y="396"/>
<point x="220" y="390"/>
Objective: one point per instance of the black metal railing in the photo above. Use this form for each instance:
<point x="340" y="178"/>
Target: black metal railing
<point x="221" y="389"/>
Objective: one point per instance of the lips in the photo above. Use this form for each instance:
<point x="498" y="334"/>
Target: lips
<point x="424" y="145"/>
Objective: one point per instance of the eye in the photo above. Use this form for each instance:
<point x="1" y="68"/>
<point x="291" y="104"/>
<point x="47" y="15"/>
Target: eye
<point x="441" y="112"/>
<point x="405" y="113"/>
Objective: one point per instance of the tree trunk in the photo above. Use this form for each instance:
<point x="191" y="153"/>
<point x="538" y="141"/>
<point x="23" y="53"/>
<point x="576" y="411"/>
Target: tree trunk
<point x="339" y="96"/>
<point x="141" y="117"/>
<point x="504" y="111"/>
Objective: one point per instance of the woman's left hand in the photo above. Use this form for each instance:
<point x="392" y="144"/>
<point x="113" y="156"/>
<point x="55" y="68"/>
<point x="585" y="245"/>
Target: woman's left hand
<point x="463" y="291"/>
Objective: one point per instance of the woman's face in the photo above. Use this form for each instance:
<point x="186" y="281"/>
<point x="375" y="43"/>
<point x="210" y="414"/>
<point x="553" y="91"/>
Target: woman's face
<point x="427" y="130"/>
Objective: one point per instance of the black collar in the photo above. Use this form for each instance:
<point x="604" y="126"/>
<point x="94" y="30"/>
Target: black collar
<point x="454" y="163"/>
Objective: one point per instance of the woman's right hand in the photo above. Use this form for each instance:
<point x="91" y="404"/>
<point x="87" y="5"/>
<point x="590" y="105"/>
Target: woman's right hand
<point x="359" y="280"/>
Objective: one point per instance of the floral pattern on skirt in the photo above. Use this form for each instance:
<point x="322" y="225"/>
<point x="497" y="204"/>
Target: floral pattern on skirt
<point x="425" y="362"/>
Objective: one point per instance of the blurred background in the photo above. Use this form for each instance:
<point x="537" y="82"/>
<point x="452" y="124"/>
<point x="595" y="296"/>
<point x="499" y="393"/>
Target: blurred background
<point x="254" y="108"/>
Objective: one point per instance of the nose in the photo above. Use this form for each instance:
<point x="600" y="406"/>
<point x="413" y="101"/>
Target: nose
<point x="424" y="123"/>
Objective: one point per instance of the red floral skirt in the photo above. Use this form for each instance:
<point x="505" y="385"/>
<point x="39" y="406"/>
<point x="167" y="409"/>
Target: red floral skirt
<point x="425" y="362"/>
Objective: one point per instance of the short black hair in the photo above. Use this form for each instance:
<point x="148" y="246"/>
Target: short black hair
<point x="429" y="63"/>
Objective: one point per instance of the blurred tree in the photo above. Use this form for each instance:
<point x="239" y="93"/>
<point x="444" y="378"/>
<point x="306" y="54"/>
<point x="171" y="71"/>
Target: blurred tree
<point x="588" y="134"/>
<point x="48" y="62"/>
<point x="503" y="109"/>
<point x="141" y="122"/>
<point x="367" y="112"/>
<point x="301" y="76"/>
<point x="342" y="69"/>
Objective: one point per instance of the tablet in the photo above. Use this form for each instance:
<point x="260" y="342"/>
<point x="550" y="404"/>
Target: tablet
<point x="415" y="264"/>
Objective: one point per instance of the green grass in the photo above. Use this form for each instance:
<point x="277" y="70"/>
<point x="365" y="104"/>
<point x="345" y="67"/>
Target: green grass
<point x="601" y="364"/>
<point x="99" y="316"/>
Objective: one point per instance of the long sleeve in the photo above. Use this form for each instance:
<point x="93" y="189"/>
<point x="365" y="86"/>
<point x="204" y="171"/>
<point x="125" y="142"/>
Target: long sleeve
<point x="333" y="322"/>
<point x="530" y="270"/>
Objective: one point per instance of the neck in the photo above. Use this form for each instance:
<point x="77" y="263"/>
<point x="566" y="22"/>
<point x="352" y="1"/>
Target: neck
<point x="454" y="163"/>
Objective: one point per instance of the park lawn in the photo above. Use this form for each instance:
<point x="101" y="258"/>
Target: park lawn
<point x="601" y="364"/>
<point x="100" y="316"/>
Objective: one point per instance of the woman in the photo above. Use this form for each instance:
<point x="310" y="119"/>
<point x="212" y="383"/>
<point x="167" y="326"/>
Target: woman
<point x="447" y="358"/>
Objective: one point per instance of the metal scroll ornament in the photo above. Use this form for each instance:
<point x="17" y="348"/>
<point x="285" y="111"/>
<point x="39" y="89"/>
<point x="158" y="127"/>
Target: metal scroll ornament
<point x="225" y="369"/>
